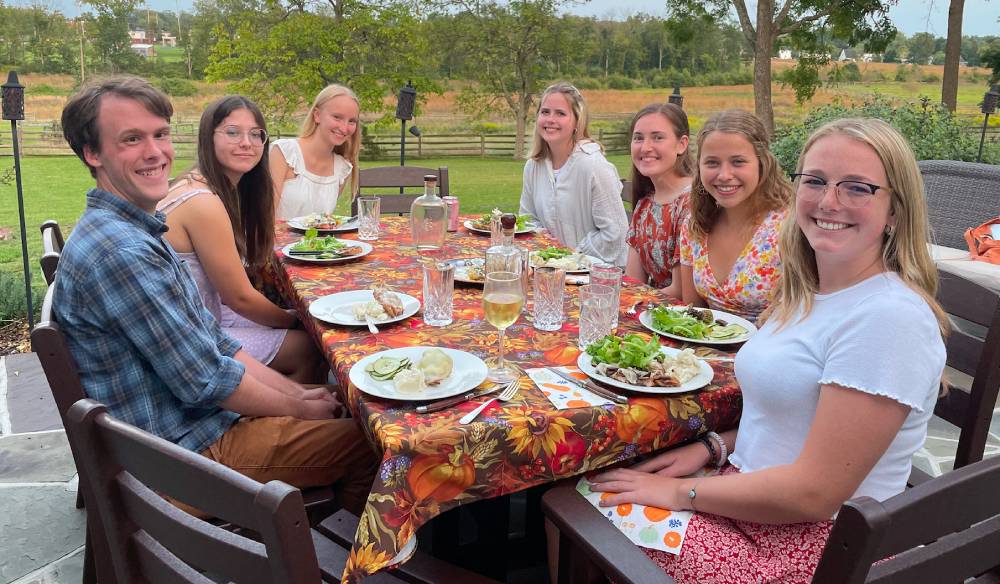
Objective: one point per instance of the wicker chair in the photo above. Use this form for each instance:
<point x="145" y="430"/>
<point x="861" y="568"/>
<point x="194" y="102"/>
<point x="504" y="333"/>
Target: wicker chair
<point x="960" y="195"/>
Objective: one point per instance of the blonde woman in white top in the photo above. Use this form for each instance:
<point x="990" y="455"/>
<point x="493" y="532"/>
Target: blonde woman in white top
<point x="310" y="171"/>
<point x="570" y="188"/>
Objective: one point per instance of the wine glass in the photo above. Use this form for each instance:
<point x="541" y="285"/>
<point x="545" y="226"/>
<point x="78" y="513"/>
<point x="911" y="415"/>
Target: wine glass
<point x="503" y="299"/>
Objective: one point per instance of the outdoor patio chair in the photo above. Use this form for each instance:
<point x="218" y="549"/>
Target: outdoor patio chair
<point x="971" y="409"/>
<point x="382" y="178"/>
<point x="49" y="344"/>
<point x="627" y="198"/>
<point x="126" y="471"/>
<point x="52" y="244"/>
<point x="945" y="530"/>
<point x="960" y="195"/>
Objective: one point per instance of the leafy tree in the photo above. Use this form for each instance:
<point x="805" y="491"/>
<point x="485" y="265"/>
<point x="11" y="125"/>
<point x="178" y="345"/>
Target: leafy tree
<point x="511" y="42"/>
<point x="921" y="48"/>
<point x="110" y="37"/>
<point x="282" y="57"/>
<point x="989" y="56"/>
<point x="801" y="22"/>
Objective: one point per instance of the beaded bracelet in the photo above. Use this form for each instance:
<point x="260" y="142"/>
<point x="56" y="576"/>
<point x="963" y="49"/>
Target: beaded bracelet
<point x="711" y="449"/>
<point x="724" y="450"/>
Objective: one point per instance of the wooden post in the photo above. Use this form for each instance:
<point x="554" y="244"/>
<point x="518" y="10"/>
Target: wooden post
<point x="482" y="145"/>
<point x="600" y="135"/>
<point x="420" y="146"/>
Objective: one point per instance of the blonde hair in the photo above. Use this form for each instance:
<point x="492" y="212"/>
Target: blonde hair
<point x="581" y="132"/>
<point x="773" y="189"/>
<point x="350" y="149"/>
<point x="904" y="248"/>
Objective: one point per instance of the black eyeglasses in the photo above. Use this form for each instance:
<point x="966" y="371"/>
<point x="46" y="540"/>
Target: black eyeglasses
<point x="850" y="193"/>
<point x="257" y="136"/>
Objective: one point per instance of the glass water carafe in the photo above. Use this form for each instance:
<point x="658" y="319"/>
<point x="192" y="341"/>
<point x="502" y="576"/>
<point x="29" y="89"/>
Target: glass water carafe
<point x="429" y="217"/>
<point x="508" y="257"/>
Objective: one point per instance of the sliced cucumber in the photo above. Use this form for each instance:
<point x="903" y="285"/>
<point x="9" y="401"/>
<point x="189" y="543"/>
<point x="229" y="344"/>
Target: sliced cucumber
<point x="385" y="368"/>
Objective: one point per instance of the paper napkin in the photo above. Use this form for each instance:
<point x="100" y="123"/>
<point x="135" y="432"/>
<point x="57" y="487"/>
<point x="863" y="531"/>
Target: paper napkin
<point x="650" y="527"/>
<point x="563" y="394"/>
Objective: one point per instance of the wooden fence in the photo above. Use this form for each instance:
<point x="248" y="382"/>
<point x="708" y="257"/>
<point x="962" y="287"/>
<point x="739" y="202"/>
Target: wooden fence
<point x="46" y="139"/>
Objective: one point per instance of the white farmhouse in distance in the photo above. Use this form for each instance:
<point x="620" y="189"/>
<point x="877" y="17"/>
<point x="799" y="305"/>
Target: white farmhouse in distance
<point x="138" y="35"/>
<point x="785" y="54"/>
<point x="144" y="49"/>
<point x="168" y="40"/>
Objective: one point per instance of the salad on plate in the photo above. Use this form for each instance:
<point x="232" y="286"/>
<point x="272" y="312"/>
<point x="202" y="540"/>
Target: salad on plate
<point x="323" y="247"/>
<point x="637" y="360"/>
<point x="695" y="323"/>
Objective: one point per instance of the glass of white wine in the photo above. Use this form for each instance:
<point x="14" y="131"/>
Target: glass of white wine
<point x="503" y="299"/>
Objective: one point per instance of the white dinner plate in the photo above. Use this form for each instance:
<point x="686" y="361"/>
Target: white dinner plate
<point x="703" y="378"/>
<point x="298" y="224"/>
<point x="529" y="228"/>
<point x="339" y="308"/>
<point x="468" y="372"/>
<point x="646" y="319"/>
<point x="593" y="260"/>
<point x="462" y="269"/>
<point x="366" y="248"/>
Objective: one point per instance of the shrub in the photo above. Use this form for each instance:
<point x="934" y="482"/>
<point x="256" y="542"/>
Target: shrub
<point x="620" y="82"/>
<point x="176" y="87"/>
<point x="486" y="128"/>
<point x="934" y="133"/>
<point x="931" y="78"/>
<point x="588" y="83"/>
<point x="12" y="304"/>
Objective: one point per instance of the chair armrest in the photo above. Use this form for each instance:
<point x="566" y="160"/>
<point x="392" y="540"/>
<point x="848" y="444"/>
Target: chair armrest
<point x="599" y="541"/>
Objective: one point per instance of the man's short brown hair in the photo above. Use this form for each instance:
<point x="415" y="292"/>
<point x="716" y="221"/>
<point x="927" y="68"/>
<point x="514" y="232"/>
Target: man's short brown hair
<point x="79" y="117"/>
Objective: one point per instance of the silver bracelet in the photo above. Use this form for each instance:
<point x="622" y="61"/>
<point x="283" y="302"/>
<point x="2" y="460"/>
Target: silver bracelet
<point x="723" y="450"/>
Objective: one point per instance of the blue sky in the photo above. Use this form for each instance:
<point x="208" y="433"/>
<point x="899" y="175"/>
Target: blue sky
<point x="910" y="16"/>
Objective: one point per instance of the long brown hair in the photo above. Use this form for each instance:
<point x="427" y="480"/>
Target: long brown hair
<point x="773" y="190"/>
<point x="249" y="203"/>
<point x="642" y="185"/>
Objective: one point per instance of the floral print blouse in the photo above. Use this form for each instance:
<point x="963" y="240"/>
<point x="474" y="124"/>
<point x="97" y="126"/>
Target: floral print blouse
<point x="655" y="235"/>
<point x="747" y="289"/>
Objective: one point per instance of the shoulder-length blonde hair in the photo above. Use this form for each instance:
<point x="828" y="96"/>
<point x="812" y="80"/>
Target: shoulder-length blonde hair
<point x="642" y="185"/>
<point x="904" y="248"/>
<point x="350" y="149"/>
<point x="581" y="131"/>
<point x="773" y="189"/>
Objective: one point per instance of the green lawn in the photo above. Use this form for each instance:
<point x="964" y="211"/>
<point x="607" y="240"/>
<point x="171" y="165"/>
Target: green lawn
<point x="54" y="188"/>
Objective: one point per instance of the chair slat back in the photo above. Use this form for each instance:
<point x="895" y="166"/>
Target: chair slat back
<point x="627" y="197"/>
<point x="927" y="515"/>
<point x="52" y="226"/>
<point x="48" y="342"/>
<point x="972" y="412"/>
<point x="395" y="177"/>
<point x="150" y="540"/>
<point x="960" y="195"/>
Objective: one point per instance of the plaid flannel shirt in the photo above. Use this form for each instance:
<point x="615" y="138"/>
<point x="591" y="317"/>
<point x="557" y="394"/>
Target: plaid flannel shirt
<point x="143" y="341"/>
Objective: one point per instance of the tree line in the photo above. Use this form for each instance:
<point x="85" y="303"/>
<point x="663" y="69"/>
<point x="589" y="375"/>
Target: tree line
<point x="281" y="52"/>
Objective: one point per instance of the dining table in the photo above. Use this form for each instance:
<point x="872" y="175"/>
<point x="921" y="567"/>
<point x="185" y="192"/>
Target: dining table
<point x="430" y="463"/>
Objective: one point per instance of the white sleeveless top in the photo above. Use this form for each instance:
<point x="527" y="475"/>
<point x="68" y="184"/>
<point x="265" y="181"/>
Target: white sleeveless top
<point x="306" y="192"/>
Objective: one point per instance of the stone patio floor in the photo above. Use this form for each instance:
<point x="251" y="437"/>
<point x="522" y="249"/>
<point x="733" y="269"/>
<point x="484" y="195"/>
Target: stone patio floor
<point x="43" y="531"/>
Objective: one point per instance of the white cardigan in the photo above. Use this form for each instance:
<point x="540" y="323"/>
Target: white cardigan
<point x="583" y="209"/>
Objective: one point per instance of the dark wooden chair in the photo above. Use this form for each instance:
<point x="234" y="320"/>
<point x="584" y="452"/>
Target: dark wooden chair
<point x="49" y="343"/>
<point x="126" y="470"/>
<point x="386" y="182"/>
<point x="627" y="199"/>
<point x="960" y="195"/>
<point x="946" y="530"/>
<point x="970" y="409"/>
<point x="52" y="244"/>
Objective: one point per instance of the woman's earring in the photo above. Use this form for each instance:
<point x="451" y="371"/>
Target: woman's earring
<point x="888" y="230"/>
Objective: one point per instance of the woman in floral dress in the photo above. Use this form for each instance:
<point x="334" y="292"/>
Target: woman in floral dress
<point x="729" y="252"/>
<point x="661" y="181"/>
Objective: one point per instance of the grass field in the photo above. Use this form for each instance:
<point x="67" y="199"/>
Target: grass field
<point x="54" y="188"/>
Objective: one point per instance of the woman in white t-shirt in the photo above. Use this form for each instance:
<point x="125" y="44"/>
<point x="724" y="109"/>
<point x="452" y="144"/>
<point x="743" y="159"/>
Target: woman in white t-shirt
<point x="838" y="384"/>
<point x="310" y="171"/>
<point x="569" y="187"/>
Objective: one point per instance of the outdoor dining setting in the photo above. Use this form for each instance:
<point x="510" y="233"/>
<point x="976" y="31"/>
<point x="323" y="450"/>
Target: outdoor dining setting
<point x="654" y="335"/>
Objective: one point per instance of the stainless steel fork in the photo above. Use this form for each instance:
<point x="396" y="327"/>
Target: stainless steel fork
<point x="506" y="395"/>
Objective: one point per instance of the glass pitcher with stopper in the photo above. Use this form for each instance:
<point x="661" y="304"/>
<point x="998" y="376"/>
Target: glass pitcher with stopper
<point x="429" y="217"/>
<point x="508" y="257"/>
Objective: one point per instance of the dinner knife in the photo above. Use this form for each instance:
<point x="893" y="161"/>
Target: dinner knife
<point x="590" y="386"/>
<point x="441" y="404"/>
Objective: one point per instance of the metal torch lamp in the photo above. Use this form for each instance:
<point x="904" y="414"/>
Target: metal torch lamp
<point x="13" y="110"/>
<point x="676" y="98"/>
<point x="989" y="106"/>
<point x="404" y="111"/>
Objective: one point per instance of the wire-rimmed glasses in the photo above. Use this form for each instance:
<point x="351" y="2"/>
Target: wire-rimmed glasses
<point x="235" y="135"/>
<point x="850" y="193"/>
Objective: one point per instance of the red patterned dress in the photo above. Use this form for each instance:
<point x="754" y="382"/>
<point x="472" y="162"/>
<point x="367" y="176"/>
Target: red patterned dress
<point x="655" y="235"/>
<point x="719" y="550"/>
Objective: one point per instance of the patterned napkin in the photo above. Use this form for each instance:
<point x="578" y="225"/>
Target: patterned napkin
<point x="651" y="527"/>
<point x="563" y="394"/>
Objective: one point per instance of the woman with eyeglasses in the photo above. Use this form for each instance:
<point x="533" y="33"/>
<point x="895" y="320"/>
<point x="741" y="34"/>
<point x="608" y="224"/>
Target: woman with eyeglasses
<point x="221" y="219"/>
<point x="729" y="247"/>
<point x="838" y="384"/>
<point x="310" y="171"/>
